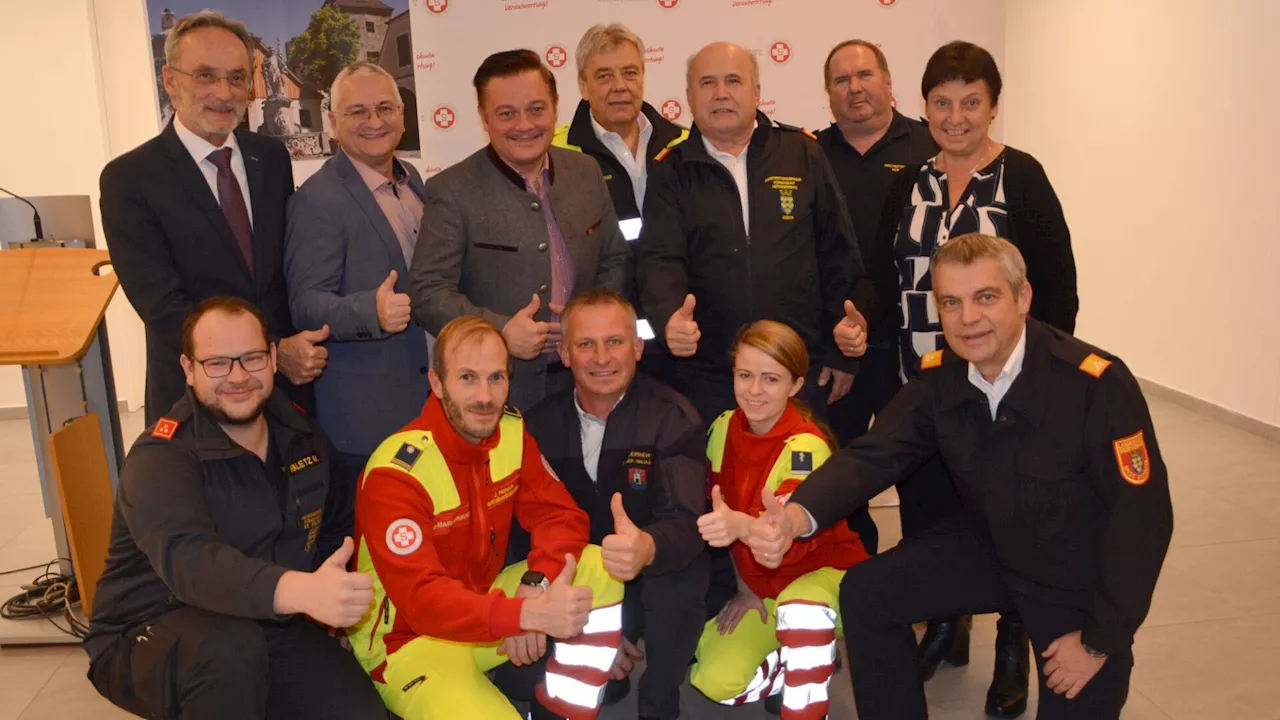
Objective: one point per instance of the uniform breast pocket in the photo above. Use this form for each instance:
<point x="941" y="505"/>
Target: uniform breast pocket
<point x="496" y="247"/>
<point x="1050" y="487"/>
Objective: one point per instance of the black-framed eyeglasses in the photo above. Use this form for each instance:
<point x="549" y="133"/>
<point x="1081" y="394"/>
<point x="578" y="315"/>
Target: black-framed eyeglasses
<point x="207" y="78"/>
<point x="220" y="367"/>
<point x="384" y="111"/>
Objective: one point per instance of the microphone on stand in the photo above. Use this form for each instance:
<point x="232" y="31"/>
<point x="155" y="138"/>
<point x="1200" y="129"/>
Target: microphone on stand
<point x="34" y="213"/>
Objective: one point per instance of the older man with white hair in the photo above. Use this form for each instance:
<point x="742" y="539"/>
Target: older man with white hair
<point x="351" y="234"/>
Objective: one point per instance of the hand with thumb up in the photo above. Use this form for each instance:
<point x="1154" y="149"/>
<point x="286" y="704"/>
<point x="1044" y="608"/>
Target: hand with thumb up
<point x="329" y="594"/>
<point x="562" y="610"/>
<point x="629" y="549"/>
<point x="772" y="534"/>
<point x="723" y="526"/>
<point x="851" y="332"/>
<point x="393" y="308"/>
<point x="526" y="336"/>
<point x="682" y="330"/>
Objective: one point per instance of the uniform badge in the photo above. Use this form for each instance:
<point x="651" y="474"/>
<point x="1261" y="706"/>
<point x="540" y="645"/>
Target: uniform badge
<point x="801" y="461"/>
<point x="931" y="360"/>
<point x="1095" y="365"/>
<point x="406" y="456"/>
<point x="1133" y="458"/>
<point x="788" y="206"/>
<point x="165" y="428"/>
<point x="404" y="536"/>
<point x="638" y="478"/>
<point x="299" y="465"/>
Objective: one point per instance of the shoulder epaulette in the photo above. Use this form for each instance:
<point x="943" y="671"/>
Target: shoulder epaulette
<point x="931" y="360"/>
<point x="508" y="410"/>
<point x="165" y="428"/>
<point x="298" y="407"/>
<point x="798" y="129"/>
<point x="1095" y="365"/>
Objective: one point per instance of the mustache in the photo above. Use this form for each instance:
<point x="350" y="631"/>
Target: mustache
<point x="229" y="388"/>
<point x="485" y="408"/>
<point x="224" y="107"/>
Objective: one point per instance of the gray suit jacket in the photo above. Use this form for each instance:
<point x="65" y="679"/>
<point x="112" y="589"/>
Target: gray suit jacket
<point x="483" y="247"/>
<point x="338" y="249"/>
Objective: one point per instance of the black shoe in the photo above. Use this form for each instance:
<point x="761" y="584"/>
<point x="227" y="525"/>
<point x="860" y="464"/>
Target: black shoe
<point x="1007" y="697"/>
<point x="945" y="640"/>
<point x="773" y="704"/>
<point x="615" y="691"/>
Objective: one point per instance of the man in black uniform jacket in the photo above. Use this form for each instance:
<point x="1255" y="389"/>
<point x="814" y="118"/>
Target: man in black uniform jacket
<point x="209" y="604"/>
<point x="1067" y="512"/>
<point x="632" y="452"/>
<point x="199" y="211"/>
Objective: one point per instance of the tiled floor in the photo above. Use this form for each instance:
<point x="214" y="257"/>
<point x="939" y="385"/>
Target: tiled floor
<point x="1207" y="651"/>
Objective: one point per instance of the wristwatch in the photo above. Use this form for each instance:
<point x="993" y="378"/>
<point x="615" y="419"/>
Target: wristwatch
<point x="533" y="578"/>
<point x="1094" y="653"/>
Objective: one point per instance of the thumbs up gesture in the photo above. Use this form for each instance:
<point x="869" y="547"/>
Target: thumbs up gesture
<point x="525" y="336"/>
<point x="562" y="610"/>
<point x="851" y="332"/>
<point x="336" y="597"/>
<point x="771" y="534"/>
<point x="629" y="549"/>
<point x="302" y="357"/>
<point x="723" y="526"/>
<point x="393" y="307"/>
<point x="682" y="330"/>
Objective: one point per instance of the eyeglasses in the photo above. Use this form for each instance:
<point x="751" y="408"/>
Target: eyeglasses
<point x="384" y="111"/>
<point x="220" y="367"/>
<point x="208" y="78"/>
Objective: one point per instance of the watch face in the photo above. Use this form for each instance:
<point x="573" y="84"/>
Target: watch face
<point x="533" y="577"/>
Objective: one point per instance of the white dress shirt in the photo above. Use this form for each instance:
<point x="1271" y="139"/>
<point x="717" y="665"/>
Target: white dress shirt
<point x="200" y="149"/>
<point x="635" y="165"/>
<point x="996" y="391"/>
<point x="592" y="429"/>
<point x="737" y="166"/>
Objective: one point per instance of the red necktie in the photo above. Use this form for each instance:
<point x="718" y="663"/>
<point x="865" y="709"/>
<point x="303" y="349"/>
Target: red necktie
<point x="232" y="202"/>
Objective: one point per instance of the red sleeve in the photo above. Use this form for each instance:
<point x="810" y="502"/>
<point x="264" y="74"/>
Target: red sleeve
<point x="544" y="507"/>
<point x="429" y="601"/>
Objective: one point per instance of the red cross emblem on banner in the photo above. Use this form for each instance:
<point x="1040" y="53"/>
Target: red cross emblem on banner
<point x="437" y="6"/>
<point x="887" y="3"/>
<point x="671" y="110"/>
<point x="557" y="56"/>
<point x="443" y="117"/>
<point x="668" y="4"/>
<point x="780" y="52"/>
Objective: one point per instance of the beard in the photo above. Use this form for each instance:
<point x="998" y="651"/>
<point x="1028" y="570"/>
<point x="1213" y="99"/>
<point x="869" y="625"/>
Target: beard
<point x="214" y="407"/>
<point x="473" y="431"/>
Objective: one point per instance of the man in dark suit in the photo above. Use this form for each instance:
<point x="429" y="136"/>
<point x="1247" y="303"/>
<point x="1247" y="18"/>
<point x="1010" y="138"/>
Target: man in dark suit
<point x="514" y="231"/>
<point x="198" y="212"/>
<point x="350" y="238"/>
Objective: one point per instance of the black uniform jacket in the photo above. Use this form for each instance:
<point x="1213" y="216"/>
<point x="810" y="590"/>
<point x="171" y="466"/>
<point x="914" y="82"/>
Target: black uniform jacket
<point x="797" y="263"/>
<point x="201" y="521"/>
<point x="1067" y="481"/>
<point x="654" y="453"/>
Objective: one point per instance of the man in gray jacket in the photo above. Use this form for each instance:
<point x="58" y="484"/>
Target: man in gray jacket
<point x="351" y="233"/>
<point x="514" y="231"/>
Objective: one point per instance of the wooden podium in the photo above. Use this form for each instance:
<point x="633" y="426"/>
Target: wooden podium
<point x="52" y="304"/>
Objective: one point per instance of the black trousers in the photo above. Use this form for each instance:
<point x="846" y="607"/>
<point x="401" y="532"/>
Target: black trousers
<point x="669" y="611"/>
<point x="198" y="665"/>
<point x="950" y="571"/>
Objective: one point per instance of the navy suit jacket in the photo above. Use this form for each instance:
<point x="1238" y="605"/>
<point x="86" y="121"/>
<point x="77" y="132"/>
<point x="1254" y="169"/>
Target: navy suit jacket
<point x="339" y="247"/>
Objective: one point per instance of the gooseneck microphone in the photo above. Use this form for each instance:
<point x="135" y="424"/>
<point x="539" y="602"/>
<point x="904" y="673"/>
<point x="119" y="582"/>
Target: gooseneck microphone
<point x="34" y="213"/>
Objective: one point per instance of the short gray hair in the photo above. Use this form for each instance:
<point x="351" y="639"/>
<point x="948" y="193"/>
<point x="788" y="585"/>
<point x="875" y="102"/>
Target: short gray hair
<point x="352" y="70"/>
<point x="205" y="19"/>
<point x="603" y="38"/>
<point x="971" y="247"/>
<point x="688" y="66"/>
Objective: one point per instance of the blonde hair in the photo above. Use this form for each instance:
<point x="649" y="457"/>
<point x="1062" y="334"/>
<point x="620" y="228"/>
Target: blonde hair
<point x="204" y="19"/>
<point x="603" y="38"/>
<point x="967" y="249"/>
<point x="352" y="70"/>
<point x="462" y="330"/>
<point x="787" y="348"/>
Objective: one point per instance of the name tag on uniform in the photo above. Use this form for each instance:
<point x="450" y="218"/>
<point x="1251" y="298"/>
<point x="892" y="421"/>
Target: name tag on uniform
<point x="298" y="466"/>
<point x="631" y="228"/>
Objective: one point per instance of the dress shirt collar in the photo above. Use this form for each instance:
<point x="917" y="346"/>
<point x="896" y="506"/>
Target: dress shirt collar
<point x="198" y="146"/>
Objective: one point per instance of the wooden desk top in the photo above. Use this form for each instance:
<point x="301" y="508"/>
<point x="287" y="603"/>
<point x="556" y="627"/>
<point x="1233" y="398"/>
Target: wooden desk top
<point x="51" y="303"/>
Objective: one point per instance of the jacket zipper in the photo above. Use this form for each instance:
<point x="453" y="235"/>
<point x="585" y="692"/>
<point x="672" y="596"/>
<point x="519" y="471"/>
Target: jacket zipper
<point x="384" y="617"/>
<point x="746" y="231"/>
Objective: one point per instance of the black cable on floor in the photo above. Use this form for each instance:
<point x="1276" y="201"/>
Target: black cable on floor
<point x="47" y="596"/>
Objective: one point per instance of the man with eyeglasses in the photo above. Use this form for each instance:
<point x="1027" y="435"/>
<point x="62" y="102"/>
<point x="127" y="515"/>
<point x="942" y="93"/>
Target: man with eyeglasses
<point x="199" y="211"/>
<point x="351" y="232"/>
<point x="228" y="553"/>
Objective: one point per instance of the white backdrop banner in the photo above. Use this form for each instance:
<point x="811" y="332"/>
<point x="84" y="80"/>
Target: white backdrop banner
<point x="791" y="38"/>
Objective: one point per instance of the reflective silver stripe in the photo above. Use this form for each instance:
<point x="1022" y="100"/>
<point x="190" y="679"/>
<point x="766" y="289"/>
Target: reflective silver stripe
<point x="807" y="658"/>
<point x="604" y="619"/>
<point x="631" y="228"/>
<point x="803" y="616"/>
<point x="799" y="698"/>
<point x="591" y="656"/>
<point x="574" y="692"/>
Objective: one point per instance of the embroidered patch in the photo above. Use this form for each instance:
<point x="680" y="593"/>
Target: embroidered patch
<point x="1133" y="459"/>
<point x="406" y="456"/>
<point x="1095" y="365"/>
<point x="165" y="428"/>
<point x="931" y="360"/>
<point x="638" y="478"/>
<point x="404" y="536"/>
<point x="298" y="466"/>
<point x="801" y="462"/>
<point x="311" y="523"/>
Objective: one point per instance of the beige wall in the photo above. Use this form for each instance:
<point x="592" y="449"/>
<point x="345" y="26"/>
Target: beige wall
<point x="75" y="103"/>
<point x="1157" y="123"/>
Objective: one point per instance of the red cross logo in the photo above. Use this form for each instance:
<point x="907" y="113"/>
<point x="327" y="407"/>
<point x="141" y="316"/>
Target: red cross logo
<point x="888" y="3"/>
<point x="780" y="52"/>
<point x="404" y="536"/>
<point x="557" y="56"/>
<point x="668" y="4"/>
<point x="671" y="110"/>
<point x="437" y="6"/>
<point x="443" y="117"/>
